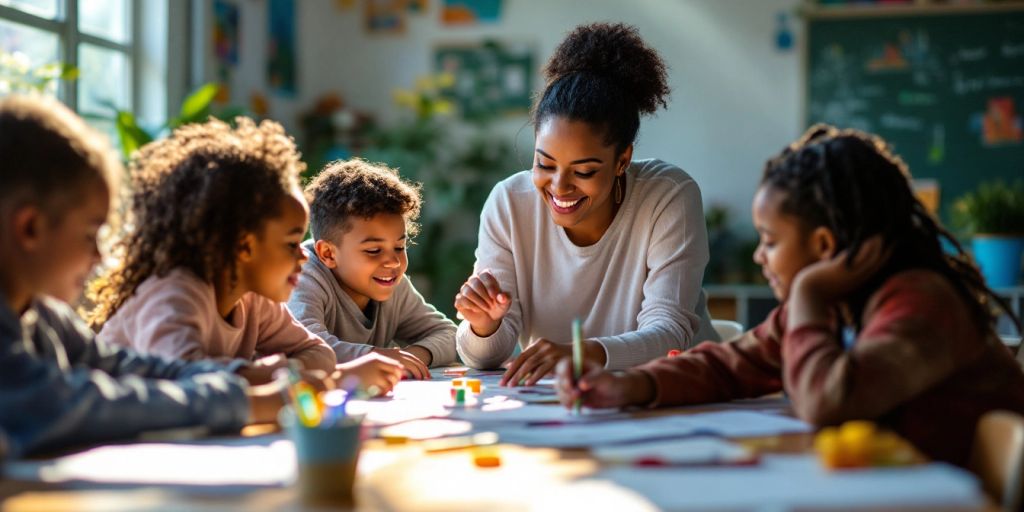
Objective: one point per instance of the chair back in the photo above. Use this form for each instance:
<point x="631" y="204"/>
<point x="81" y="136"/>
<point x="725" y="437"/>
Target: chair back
<point x="727" y="329"/>
<point x="997" y="457"/>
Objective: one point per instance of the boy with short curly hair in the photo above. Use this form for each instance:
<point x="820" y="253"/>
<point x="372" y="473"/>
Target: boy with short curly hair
<point x="353" y="291"/>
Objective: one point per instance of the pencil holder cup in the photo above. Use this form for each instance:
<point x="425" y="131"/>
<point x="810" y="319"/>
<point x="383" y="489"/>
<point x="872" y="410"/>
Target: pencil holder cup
<point x="327" y="457"/>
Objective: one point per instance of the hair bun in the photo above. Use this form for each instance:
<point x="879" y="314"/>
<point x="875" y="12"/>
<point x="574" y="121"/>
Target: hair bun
<point x="614" y="51"/>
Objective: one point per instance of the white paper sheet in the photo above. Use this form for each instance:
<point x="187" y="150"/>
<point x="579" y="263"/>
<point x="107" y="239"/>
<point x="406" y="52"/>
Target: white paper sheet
<point x="690" y="450"/>
<point x="782" y="483"/>
<point x="242" y="462"/>
<point x="738" y="424"/>
<point x="628" y="430"/>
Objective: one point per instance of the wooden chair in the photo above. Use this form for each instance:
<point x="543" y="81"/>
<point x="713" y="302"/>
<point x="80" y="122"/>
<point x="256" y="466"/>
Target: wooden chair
<point x="997" y="457"/>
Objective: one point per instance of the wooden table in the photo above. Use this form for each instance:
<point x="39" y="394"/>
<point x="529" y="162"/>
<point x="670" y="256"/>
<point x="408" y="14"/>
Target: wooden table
<point x="392" y="477"/>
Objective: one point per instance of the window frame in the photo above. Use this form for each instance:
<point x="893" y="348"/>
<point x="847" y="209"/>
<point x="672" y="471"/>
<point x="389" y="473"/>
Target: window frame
<point x="70" y="38"/>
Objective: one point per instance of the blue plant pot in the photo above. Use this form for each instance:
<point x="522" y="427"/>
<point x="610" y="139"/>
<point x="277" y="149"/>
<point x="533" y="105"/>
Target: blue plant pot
<point x="999" y="258"/>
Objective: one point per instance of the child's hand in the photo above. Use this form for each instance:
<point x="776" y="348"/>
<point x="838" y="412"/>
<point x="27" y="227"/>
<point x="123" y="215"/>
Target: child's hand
<point x="413" y="366"/>
<point x="599" y="388"/>
<point x="264" y="403"/>
<point x="261" y="371"/>
<point x="482" y="303"/>
<point x="539" y="360"/>
<point x="373" y="371"/>
<point x="832" y="279"/>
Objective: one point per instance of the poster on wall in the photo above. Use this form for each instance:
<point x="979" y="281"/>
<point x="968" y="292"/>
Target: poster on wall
<point x="281" y="47"/>
<point x="490" y="78"/>
<point x="386" y="16"/>
<point x="470" y="12"/>
<point x="225" y="31"/>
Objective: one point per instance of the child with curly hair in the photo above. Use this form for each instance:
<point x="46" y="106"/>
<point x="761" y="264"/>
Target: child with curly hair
<point x="58" y="385"/>
<point x="211" y="252"/>
<point x="877" y="322"/>
<point x="353" y="291"/>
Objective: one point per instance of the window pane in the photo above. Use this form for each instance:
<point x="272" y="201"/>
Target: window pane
<point x="108" y="19"/>
<point x="105" y="124"/>
<point x="42" y="8"/>
<point x="24" y="50"/>
<point x="105" y="77"/>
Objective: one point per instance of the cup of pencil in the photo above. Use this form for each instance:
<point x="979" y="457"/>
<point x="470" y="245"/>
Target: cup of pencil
<point x="327" y="451"/>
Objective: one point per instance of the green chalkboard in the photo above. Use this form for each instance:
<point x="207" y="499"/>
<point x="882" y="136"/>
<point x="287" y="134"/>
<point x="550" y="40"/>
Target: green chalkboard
<point x="946" y="90"/>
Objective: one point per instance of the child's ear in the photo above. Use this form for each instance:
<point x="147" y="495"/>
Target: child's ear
<point x="325" y="251"/>
<point x="823" y="243"/>
<point x="246" y="247"/>
<point x="28" y="223"/>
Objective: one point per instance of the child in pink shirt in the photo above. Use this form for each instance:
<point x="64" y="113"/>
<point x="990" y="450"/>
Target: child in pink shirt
<point x="211" y="250"/>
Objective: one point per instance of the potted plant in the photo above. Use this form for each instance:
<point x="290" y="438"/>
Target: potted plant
<point x="993" y="215"/>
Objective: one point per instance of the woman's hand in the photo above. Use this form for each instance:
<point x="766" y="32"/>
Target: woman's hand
<point x="599" y="388"/>
<point x="539" y="360"/>
<point x="482" y="303"/>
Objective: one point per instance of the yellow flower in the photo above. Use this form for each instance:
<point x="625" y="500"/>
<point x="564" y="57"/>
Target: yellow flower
<point x="424" y="83"/>
<point x="445" y="80"/>
<point x="405" y="98"/>
<point x="443" y="107"/>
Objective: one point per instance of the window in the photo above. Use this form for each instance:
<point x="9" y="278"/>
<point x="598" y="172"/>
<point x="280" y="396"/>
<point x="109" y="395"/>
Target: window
<point x="96" y="36"/>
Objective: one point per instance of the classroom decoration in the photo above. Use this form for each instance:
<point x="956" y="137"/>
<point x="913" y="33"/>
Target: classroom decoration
<point x="469" y="12"/>
<point x="281" y="47"/>
<point x="490" y="78"/>
<point x="944" y="89"/>
<point x="225" y="31"/>
<point x="385" y="16"/>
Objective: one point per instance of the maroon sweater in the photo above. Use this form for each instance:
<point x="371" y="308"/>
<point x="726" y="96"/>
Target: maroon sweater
<point x="920" y="365"/>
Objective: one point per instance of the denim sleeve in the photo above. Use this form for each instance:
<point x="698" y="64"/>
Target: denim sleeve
<point x="86" y="392"/>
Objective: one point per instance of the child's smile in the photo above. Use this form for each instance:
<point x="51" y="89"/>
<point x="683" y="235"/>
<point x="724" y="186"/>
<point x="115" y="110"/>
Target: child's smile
<point x="369" y="258"/>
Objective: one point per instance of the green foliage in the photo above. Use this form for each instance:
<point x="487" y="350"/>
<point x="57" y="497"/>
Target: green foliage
<point x="19" y="76"/>
<point x="731" y="255"/>
<point x="994" y="208"/>
<point x="196" y="108"/>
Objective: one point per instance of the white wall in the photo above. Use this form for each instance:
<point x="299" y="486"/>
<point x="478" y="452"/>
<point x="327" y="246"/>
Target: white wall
<point x="736" y="98"/>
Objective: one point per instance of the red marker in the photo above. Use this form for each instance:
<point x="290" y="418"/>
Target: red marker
<point x="674" y="352"/>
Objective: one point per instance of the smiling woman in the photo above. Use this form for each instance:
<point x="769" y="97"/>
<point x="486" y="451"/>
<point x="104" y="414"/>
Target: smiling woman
<point x="588" y="232"/>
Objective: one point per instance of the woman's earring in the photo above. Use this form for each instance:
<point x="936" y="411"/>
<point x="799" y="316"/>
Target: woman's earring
<point x="618" y="190"/>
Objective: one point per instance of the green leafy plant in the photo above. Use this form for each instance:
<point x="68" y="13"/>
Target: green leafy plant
<point x="19" y="76"/>
<point x="994" y="208"/>
<point x="196" y="108"/>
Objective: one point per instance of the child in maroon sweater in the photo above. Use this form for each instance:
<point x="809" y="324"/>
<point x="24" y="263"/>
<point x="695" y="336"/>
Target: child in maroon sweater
<point x="876" y="321"/>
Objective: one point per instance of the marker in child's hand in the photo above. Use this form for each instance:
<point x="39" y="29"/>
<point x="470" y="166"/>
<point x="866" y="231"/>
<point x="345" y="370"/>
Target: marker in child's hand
<point x="577" y="361"/>
<point x="674" y="352"/>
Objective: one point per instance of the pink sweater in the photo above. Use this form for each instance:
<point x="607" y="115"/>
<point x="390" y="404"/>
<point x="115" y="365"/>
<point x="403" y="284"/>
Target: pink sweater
<point x="176" y="316"/>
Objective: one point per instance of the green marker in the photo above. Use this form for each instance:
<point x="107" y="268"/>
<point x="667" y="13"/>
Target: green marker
<point x="577" y="360"/>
